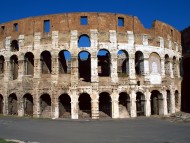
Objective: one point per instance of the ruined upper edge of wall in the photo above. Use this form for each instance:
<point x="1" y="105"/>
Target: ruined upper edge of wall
<point x="103" y="22"/>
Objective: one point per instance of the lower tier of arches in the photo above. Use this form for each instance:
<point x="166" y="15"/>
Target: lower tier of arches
<point x="95" y="106"/>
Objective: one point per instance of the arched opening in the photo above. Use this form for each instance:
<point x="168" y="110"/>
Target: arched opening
<point x="84" y="106"/>
<point x="14" y="67"/>
<point x="64" y="62"/>
<point x="14" y="46"/>
<point x="140" y="103"/>
<point x="46" y="62"/>
<point x="154" y="64"/>
<point x="105" y="107"/>
<point x="122" y="63"/>
<point x="84" y="41"/>
<point x="156" y="102"/>
<point x="124" y="105"/>
<point x="12" y="104"/>
<point x="45" y="104"/>
<point x="1" y="104"/>
<point x="139" y="63"/>
<point x="64" y="106"/>
<point x="167" y="65"/>
<point x="104" y="62"/>
<point x="177" y="102"/>
<point x="29" y="63"/>
<point x="168" y="101"/>
<point x="2" y="60"/>
<point x="28" y="105"/>
<point x="175" y="71"/>
<point x="84" y="60"/>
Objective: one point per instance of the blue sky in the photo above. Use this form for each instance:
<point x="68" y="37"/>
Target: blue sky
<point x="176" y="13"/>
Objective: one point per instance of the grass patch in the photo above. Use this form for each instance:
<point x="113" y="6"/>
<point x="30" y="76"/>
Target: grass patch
<point x="4" y="141"/>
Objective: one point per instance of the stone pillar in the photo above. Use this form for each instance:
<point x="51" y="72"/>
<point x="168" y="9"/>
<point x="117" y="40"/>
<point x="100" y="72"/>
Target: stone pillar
<point x="146" y="69"/>
<point x="178" y="69"/>
<point x="163" y="67"/>
<point x="133" y="104"/>
<point x="115" y="105"/>
<point x="163" y="104"/>
<point x="172" y="101"/>
<point x="114" y="75"/>
<point x="74" y="103"/>
<point x="95" y="108"/>
<point x="94" y="69"/>
<point x="5" y="105"/>
<point x="147" y="104"/>
<point x="37" y="68"/>
<point x="171" y="69"/>
<point x="20" y="107"/>
<point x="21" y="69"/>
<point x="55" y="107"/>
<point x="37" y="38"/>
<point x="37" y="108"/>
<point x="132" y="75"/>
<point x="7" y="69"/>
<point x="55" y="39"/>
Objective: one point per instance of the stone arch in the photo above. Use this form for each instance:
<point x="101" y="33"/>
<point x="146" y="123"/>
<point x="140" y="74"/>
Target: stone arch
<point x="12" y="104"/>
<point x="45" y="105"/>
<point x="122" y="63"/>
<point x="156" y="102"/>
<point x="14" y="67"/>
<point x="177" y="101"/>
<point x="1" y="104"/>
<point x="84" y="105"/>
<point x="105" y="106"/>
<point x="140" y="104"/>
<point x="64" y="106"/>
<point x="28" y="104"/>
<point x="154" y="63"/>
<point x="84" y="63"/>
<point x="29" y="63"/>
<point x="104" y="63"/>
<point x="168" y="98"/>
<point x="14" y="45"/>
<point x="167" y="65"/>
<point x="64" y="62"/>
<point x="139" y="63"/>
<point x="124" y="105"/>
<point x="46" y="62"/>
<point x="84" y="41"/>
<point x="2" y="61"/>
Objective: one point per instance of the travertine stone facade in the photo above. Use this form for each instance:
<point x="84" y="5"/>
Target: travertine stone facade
<point x="130" y="71"/>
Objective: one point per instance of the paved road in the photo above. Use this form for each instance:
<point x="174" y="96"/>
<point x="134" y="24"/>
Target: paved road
<point x="139" y="130"/>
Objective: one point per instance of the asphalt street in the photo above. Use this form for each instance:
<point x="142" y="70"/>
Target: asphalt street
<point x="138" y="130"/>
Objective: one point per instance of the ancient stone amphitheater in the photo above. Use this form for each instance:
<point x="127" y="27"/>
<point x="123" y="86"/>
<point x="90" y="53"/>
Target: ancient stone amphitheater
<point x="89" y="65"/>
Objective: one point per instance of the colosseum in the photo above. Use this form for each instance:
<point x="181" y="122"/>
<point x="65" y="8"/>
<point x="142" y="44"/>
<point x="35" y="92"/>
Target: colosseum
<point x="89" y="65"/>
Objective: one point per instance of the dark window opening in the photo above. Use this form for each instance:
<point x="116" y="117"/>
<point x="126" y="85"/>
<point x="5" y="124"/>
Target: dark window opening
<point x="84" y="61"/>
<point x="140" y="103"/>
<point x="84" y="106"/>
<point x="12" y="104"/>
<point x="14" y="67"/>
<point x="167" y="65"/>
<point x="64" y="106"/>
<point x="45" y="104"/>
<point x="28" y="105"/>
<point x="47" y="26"/>
<point x="120" y="21"/>
<point x="64" y="62"/>
<point x="84" y="20"/>
<point x="84" y="41"/>
<point x="2" y="60"/>
<point x="139" y="63"/>
<point x="29" y="64"/>
<point x="16" y="27"/>
<point x="168" y="101"/>
<point x="46" y="62"/>
<point x="156" y="102"/>
<point x="105" y="107"/>
<point x="122" y="64"/>
<point x="1" y="104"/>
<point x="2" y="29"/>
<point x="172" y="32"/>
<point x="124" y="105"/>
<point x="104" y="68"/>
<point x="14" y="46"/>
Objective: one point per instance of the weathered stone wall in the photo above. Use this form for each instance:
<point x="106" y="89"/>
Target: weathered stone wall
<point x="104" y="33"/>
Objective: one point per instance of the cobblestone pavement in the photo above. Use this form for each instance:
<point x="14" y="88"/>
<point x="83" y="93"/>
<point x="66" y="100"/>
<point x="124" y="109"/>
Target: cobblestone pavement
<point x="133" y="130"/>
